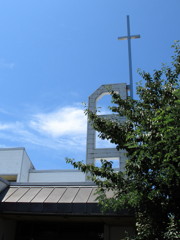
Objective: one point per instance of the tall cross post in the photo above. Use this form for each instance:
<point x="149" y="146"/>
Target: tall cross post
<point x="129" y="37"/>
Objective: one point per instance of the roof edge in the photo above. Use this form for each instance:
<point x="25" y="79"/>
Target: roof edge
<point x="3" y="184"/>
<point x="52" y="184"/>
<point x="11" y="149"/>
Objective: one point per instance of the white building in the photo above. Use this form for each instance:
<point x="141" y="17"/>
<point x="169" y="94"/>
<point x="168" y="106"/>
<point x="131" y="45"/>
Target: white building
<point x="58" y="204"/>
<point x="15" y="165"/>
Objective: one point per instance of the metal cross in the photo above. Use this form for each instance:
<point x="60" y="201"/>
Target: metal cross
<point x="129" y="37"/>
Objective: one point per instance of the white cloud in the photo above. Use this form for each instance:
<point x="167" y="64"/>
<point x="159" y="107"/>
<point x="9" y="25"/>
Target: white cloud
<point x="3" y="126"/>
<point x="61" y="129"/>
<point x="67" y="121"/>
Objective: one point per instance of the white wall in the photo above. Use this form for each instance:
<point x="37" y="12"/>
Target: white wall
<point x="56" y="176"/>
<point x="26" y="166"/>
<point x="14" y="161"/>
<point x="10" y="160"/>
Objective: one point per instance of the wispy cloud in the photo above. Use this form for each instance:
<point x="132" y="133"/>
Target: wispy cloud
<point x="66" y="121"/>
<point x="6" y="64"/>
<point x="64" y="128"/>
<point x="6" y="126"/>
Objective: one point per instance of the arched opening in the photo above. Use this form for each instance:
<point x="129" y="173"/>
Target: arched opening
<point x="103" y="103"/>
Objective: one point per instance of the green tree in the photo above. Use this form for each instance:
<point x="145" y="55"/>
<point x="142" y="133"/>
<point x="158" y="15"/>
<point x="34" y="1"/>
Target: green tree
<point x="151" y="137"/>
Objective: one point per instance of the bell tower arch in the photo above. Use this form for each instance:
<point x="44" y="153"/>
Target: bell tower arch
<point x="92" y="152"/>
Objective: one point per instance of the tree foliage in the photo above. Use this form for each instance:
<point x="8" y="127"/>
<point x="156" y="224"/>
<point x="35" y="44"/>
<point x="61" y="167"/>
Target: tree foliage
<point x="151" y="137"/>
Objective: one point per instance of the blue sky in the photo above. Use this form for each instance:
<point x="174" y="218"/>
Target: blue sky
<point x="55" y="53"/>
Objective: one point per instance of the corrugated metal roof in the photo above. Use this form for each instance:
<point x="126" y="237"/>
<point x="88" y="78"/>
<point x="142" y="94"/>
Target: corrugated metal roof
<point x="52" y="200"/>
<point x="46" y="194"/>
<point x="49" y="199"/>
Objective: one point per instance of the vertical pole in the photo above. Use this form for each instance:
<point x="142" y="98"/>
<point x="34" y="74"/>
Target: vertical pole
<point x="130" y="58"/>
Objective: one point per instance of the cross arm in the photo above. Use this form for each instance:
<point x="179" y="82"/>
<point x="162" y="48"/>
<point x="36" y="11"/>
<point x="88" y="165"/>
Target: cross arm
<point x="131" y="37"/>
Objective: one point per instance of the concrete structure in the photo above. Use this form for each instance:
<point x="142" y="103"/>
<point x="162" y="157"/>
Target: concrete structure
<point x="93" y="153"/>
<point x="59" y="204"/>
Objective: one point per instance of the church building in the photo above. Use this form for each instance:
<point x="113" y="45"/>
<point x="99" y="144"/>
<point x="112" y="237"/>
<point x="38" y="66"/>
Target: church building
<point x="59" y="204"/>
